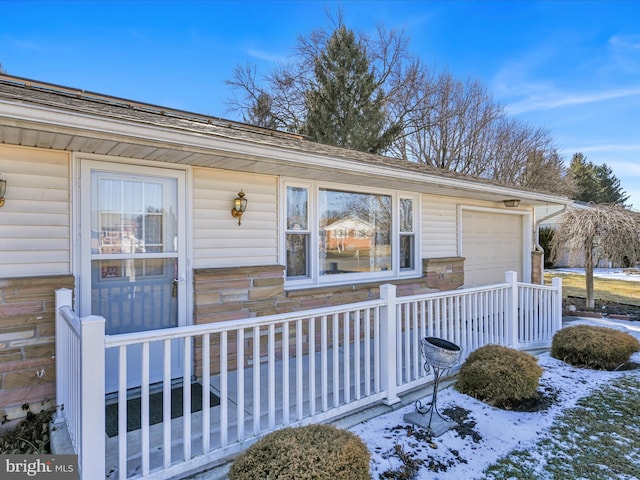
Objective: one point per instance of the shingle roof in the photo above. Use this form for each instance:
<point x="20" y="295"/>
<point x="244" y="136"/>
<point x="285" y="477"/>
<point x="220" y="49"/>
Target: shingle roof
<point x="81" y="101"/>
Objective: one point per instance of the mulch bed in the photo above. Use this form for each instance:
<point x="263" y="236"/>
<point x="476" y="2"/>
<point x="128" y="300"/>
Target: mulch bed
<point x="603" y="308"/>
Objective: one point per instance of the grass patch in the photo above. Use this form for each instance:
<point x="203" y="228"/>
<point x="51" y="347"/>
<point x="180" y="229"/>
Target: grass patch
<point x="597" y="439"/>
<point x="608" y="289"/>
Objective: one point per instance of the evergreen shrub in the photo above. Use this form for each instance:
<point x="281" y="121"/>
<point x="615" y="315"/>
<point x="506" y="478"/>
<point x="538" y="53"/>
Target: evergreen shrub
<point x="499" y="376"/>
<point x="318" y="452"/>
<point x="588" y="346"/>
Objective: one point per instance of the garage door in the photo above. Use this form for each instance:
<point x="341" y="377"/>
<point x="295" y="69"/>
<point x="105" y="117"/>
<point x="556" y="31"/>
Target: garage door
<point x="491" y="245"/>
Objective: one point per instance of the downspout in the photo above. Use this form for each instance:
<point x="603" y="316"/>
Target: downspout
<point x="536" y="236"/>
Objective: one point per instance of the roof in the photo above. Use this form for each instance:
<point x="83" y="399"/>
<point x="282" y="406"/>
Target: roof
<point x="39" y="114"/>
<point x="350" y="224"/>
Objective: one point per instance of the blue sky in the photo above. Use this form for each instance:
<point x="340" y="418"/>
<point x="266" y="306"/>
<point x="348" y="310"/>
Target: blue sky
<point x="570" y="66"/>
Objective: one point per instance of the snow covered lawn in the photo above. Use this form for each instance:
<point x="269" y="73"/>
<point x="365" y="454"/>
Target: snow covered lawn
<point x="487" y="433"/>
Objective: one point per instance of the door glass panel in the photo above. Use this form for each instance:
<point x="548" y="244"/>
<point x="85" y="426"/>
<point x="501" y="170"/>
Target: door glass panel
<point x="134" y="264"/>
<point x="134" y="295"/>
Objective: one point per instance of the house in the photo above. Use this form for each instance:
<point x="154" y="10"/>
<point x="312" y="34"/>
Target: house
<point x="157" y="218"/>
<point x="549" y="218"/>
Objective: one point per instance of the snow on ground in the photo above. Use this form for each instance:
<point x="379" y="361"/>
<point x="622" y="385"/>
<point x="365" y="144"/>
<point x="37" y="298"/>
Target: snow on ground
<point x="501" y="431"/>
<point x="611" y="273"/>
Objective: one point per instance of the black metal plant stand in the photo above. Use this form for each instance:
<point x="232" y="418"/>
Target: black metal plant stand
<point x="440" y="355"/>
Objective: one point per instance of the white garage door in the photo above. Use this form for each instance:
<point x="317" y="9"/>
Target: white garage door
<point x="491" y="245"/>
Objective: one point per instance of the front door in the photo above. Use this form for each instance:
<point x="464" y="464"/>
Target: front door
<point x="133" y="258"/>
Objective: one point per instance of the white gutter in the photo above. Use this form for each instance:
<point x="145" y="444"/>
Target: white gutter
<point x="80" y="123"/>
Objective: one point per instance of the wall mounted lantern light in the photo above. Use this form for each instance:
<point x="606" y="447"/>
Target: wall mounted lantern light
<point x="239" y="206"/>
<point x="511" y="203"/>
<point x="3" y="189"/>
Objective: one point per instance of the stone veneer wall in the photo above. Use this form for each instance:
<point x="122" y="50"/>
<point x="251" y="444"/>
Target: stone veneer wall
<point x="445" y="273"/>
<point x="27" y="344"/>
<point x="27" y="316"/>
<point x="233" y="293"/>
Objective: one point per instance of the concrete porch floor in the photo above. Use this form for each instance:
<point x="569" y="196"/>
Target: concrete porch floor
<point x="61" y="442"/>
<point x="156" y="448"/>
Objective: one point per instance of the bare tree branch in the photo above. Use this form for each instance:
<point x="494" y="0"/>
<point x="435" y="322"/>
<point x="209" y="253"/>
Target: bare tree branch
<point x="597" y="232"/>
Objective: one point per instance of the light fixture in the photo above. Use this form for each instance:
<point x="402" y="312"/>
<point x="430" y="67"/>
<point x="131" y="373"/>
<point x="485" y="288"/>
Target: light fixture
<point x="239" y="206"/>
<point x="3" y="189"/>
<point x="511" y="203"/>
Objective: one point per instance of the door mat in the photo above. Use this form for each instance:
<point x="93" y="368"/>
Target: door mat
<point x="134" y="408"/>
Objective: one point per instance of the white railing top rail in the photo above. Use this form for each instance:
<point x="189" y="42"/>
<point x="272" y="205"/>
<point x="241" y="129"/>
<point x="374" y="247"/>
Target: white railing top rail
<point x="537" y="286"/>
<point x="452" y="293"/>
<point x="71" y="318"/>
<point x="217" y="327"/>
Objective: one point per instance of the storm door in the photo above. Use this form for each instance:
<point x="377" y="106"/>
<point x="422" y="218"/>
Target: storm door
<point x="134" y="274"/>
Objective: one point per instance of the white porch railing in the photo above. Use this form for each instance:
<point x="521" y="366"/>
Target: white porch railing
<point x="273" y="371"/>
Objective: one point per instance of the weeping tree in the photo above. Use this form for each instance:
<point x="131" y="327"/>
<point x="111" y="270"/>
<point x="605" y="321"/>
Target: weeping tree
<point x="598" y="232"/>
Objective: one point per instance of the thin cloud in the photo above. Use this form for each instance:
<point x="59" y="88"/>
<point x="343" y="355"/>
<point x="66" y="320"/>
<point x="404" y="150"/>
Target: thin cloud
<point x="616" y="150"/>
<point x="612" y="148"/>
<point x="565" y="100"/>
<point x="27" y="45"/>
<point x="624" y="52"/>
<point x="627" y="169"/>
<point x="626" y="42"/>
<point x="266" y="56"/>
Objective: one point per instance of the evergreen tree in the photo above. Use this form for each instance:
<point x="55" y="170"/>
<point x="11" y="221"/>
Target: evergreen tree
<point x="595" y="183"/>
<point x="610" y="189"/>
<point x="345" y="104"/>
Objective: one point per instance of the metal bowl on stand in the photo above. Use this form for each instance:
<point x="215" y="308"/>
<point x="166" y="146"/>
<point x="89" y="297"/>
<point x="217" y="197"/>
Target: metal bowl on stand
<point x="439" y="354"/>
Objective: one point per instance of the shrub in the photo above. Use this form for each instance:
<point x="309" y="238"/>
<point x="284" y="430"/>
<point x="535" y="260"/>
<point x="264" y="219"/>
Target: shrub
<point x="319" y="452"/>
<point x="593" y="347"/>
<point x="499" y="375"/>
<point x="545" y="239"/>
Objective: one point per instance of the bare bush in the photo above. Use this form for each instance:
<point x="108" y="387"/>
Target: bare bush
<point x="597" y="232"/>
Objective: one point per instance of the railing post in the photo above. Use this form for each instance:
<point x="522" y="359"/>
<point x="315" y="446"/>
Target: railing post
<point x="64" y="298"/>
<point x="92" y="394"/>
<point x="513" y="309"/>
<point x="388" y="334"/>
<point x="556" y="283"/>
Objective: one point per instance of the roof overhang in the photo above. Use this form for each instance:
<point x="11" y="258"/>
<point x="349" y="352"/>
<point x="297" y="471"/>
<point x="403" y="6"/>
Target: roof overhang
<point x="35" y="125"/>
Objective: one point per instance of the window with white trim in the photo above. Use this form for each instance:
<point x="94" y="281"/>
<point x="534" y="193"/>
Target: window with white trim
<point x="297" y="232"/>
<point x="407" y="234"/>
<point x="336" y="234"/>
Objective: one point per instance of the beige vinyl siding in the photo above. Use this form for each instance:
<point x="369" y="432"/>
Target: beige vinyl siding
<point x="35" y="220"/>
<point x="218" y="240"/>
<point x="439" y="227"/>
